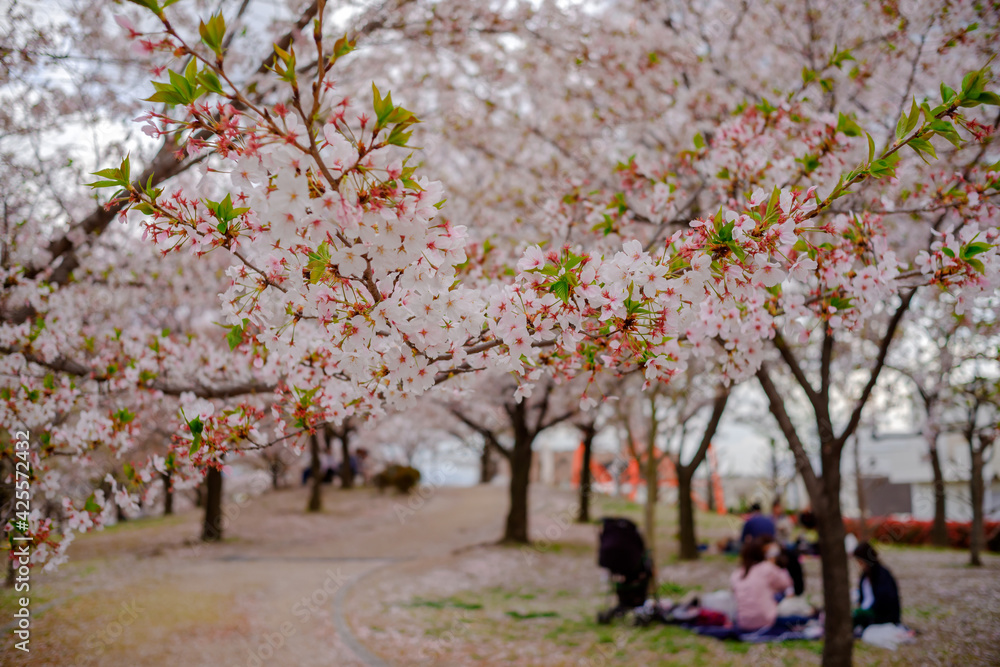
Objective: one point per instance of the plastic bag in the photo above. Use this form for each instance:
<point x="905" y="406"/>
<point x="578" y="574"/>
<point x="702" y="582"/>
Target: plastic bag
<point x="887" y="635"/>
<point x="721" y="601"/>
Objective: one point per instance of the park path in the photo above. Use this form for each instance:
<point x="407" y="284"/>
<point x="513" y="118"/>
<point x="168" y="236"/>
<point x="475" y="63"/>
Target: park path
<point x="278" y="591"/>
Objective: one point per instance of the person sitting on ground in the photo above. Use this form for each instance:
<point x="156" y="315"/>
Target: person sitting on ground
<point x="756" y="525"/>
<point x="878" y="593"/>
<point x="362" y="465"/>
<point x="754" y="587"/>
<point x="782" y="523"/>
<point x="787" y="558"/>
<point x="808" y="539"/>
<point x="327" y="465"/>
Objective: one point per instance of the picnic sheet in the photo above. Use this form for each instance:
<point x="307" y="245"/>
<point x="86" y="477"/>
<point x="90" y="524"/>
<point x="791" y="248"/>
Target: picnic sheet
<point x="776" y="633"/>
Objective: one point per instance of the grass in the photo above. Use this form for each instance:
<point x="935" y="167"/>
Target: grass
<point x="928" y="612"/>
<point x="672" y="589"/>
<point x="151" y="523"/>
<point x="518" y="616"/>
<point x="446" y="603"/>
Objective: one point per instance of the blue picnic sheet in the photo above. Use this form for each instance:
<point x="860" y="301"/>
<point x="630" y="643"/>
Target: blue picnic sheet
<point x="784" y="629"/>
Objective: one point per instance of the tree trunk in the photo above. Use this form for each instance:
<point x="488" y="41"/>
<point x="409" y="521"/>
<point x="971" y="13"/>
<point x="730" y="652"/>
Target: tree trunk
<point x="652" y="477"/>
<point x="7" y="496"/>
<point x="487" y="464"/>
<point x="277" y="468"/>
<point x="710" y="490"/>
<point x="316" y="476"/>
<point x="838" y="631"/>
<point x="859" y="488"/>
<point x="583" y="511"/>
<point x="685" y="517"/>
<point x="685" y="476"/>
<point x="212" y="528"/>
<point x="939" y="529"/>
<point x="346" y="474"/>
<point x="977" y="491"/>
<point x="516" y="529"/>
<point x="168" y="494"/>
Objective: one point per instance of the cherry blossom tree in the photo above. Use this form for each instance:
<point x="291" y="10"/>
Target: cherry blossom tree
<point x="503" y="413"/>
<point x="979" y="398"/>
<point x="775" y="228"/>
<point x="926" y="357"/>
<point x="675" y="423"/>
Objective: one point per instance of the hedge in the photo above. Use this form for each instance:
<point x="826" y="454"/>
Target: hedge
<point x="909" y="531"/>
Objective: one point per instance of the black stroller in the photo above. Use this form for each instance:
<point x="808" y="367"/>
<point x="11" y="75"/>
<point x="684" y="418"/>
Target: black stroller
<point x="622" y="552"/>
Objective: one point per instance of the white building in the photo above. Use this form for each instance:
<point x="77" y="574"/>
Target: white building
<point x="898" y="478"/>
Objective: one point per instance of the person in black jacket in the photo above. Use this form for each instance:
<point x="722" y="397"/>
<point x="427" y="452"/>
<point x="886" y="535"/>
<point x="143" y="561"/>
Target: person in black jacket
<point x="878" y="594"/>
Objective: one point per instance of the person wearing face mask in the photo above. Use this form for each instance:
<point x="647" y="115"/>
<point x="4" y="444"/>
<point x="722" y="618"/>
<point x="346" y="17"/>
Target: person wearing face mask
<point x="787" y="558"/>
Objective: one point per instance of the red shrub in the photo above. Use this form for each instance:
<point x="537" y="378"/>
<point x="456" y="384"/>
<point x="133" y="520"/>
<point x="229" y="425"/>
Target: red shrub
<point x="897" y="531"/>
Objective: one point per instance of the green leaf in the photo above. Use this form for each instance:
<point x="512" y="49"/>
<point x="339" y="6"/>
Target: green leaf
<point x="191" y="72"/>
<point x="971" y="84"/>
<point x="699" y="141"/>
<point x="561" y="289"/>
<point x="840" y="303"/>
<point x="914" y="118"/>
<point x="148" y="4"/>
<point x="871" y="148"/>
<point x="882" y="168"/>
<point x="946" y="93"/>
<point x="839" y="57"/>
<point x="383" y="106"/>
<point x="944" y="128"/>
<point x="848" y="126"/>
<point x="922" y="146"/>
<point x="196" y="430"/>
<point x="91" y="505"/>
<point x="209" y="81"/>
<point x="398" y="137"/>
<point x="990" y="98"/>
<point x="972" y="249"/>
<point x="809" y="163"/>
<point x="103" y="184"/>
<point x="342" y="47"/>
<point x="213" y="33"/>
<point x="235" y="336"/>
<point x="901" y="126"/>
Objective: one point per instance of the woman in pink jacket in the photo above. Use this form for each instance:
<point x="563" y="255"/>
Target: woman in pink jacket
<point x="755" y="586"/>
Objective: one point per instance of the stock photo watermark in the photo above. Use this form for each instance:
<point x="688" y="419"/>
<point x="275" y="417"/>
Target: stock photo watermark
<point x="269" y="643"/>
<point x="20" y="541"/>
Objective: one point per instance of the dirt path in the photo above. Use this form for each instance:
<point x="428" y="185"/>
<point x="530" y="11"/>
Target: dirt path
<point x="384" y="581"/>
<point x="277" y="591"/>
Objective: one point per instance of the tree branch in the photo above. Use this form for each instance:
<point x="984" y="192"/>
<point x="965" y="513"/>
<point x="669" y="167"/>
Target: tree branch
<point x="883" y="351"/>
<point x="777" y="406"/>
<point x="793" y="365"/>
<point x="77" y="369"/>
<point x="718" y="408"/>
<point x="488" y="434"/>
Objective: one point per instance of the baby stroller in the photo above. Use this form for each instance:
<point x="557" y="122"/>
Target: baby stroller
<point x="622" y="552"/>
